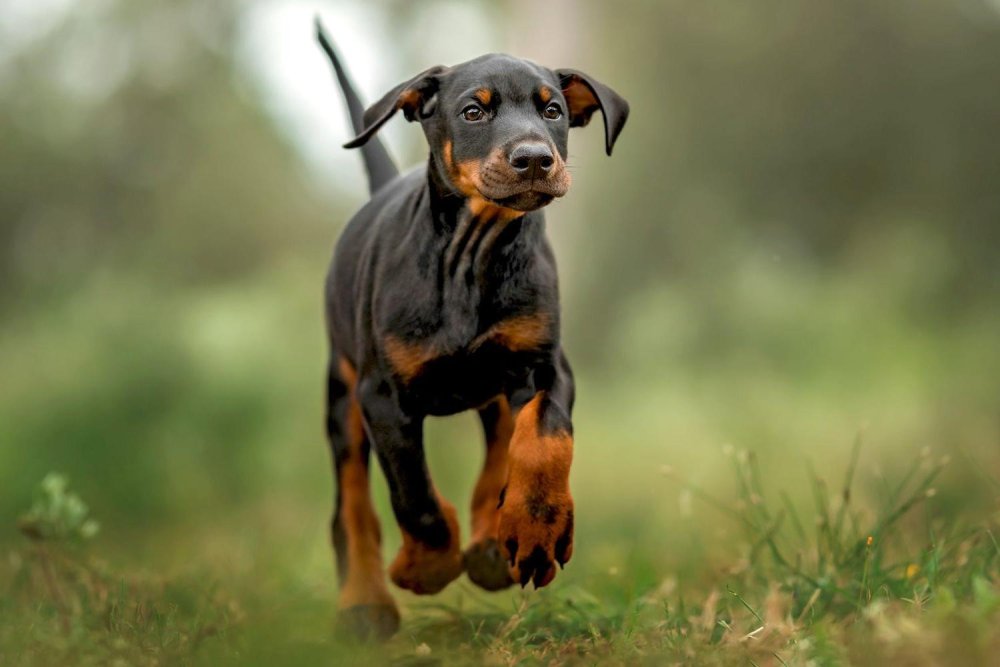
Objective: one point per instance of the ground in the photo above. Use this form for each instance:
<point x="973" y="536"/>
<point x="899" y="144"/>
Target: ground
<point x="856" y="587"/>
<point x="712" y="457"/>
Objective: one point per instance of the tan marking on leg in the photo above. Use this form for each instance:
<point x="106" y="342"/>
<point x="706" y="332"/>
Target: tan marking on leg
<point x="552" y="459"/>
<point x="364" y="583"/>
<point x="536" y="520"/>
<point x="424" y="570"/>
<point x="485" y="562"/>
<point x="493" y="476"/>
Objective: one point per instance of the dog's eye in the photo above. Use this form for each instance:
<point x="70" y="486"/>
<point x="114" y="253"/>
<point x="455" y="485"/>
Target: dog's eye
<point x="552" y="112"/>
<point x="473" y="113"/>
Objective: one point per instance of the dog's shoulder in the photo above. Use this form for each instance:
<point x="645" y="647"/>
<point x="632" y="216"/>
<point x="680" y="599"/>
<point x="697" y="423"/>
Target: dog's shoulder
<point x="378" y="217"/>
<point x="395" y="197"/>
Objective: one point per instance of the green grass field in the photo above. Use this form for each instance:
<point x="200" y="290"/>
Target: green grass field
<point x="735" y="511"/>
<point x="831" y="584"/>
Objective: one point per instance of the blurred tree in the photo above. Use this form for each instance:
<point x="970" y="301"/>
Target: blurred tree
<point x="130" y="143"/>
<point x="141" y="177"/>
<point x="819" y="133"/>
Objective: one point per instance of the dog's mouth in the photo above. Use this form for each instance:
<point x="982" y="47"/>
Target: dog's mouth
<point x="528" y="200"/>
<point x="523" y="195"/>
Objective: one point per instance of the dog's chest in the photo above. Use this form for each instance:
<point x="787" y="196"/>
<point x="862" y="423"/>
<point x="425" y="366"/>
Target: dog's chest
<point x="455" y="368"/>
<point x="467" y="324"/>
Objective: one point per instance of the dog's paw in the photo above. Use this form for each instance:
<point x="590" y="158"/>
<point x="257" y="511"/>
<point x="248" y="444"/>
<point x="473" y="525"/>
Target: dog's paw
<point x="425" y="570"/>
<point x="486" y="566"/>
<point x="536" y="533"/>
<point x="369" y="622"/>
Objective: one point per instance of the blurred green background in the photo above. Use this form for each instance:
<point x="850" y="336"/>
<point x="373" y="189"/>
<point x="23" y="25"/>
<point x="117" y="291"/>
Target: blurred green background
<point x="795" y="241"/>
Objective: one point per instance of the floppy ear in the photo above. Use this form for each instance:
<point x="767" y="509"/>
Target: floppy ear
<point x="409" y="96"/>
<point x="585" y="95"/>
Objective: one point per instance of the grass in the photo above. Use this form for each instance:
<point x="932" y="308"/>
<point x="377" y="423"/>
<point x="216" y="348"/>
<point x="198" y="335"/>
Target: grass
<point x="885" y="582"/>
<point x="197" y="443"/>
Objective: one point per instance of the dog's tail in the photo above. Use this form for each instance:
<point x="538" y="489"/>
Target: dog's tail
<point x="378" y="164"/>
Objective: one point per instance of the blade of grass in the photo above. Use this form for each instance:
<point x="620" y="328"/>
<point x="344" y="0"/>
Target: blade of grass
<point x="845" y="494"/>
<point x="823" y="512"/>
<point x="796" y="522"/>
<point x="719" y="505"/>
<point x="736" y="595"/>
<point x="919" y="494"/>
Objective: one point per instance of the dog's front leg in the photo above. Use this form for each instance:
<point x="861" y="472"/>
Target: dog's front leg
<point x="485" y="564"/>
<point x="430" y="557"/>
<point x="536" y="516"/>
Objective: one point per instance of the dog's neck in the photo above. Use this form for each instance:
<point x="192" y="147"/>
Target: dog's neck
<point x="477" y="233"/>
<point x="477" y="246"/>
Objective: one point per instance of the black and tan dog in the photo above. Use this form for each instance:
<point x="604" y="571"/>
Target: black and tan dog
<point x="443" y="297"/>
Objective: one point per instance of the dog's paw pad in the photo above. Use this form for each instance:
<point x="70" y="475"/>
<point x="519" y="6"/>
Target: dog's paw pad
<point x="486" y="566"/>
<point x="369" y="622"/>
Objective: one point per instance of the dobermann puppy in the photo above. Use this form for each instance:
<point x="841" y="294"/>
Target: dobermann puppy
<point x="443" y="297"/>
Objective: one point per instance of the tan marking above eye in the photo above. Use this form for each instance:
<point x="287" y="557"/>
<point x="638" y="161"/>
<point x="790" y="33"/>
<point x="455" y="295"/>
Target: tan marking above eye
<point x="484" y="95"/>
<point x="545" y="94"/>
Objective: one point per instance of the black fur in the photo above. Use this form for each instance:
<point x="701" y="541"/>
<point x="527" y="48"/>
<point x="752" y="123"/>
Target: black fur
<point x="412" y="267"/>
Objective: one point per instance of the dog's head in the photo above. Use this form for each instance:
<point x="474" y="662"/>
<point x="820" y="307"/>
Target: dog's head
<point x="497" y="126"/>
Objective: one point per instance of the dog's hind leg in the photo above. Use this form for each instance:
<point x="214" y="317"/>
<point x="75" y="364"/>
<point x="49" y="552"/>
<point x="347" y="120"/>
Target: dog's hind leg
<point x="365" y="606"/>
<point x="484" y="563"/>
<point x="431" y="554"/>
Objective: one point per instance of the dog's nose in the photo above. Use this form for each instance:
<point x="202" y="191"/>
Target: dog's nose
<point x="532" y="160"/>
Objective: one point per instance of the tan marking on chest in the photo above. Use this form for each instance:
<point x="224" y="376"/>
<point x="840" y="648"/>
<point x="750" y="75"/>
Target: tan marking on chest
<point x="486" y="211"/>
<point x="517" y="334"/>
<point x="521" y="333"/>
<point x="407" y="358"/>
